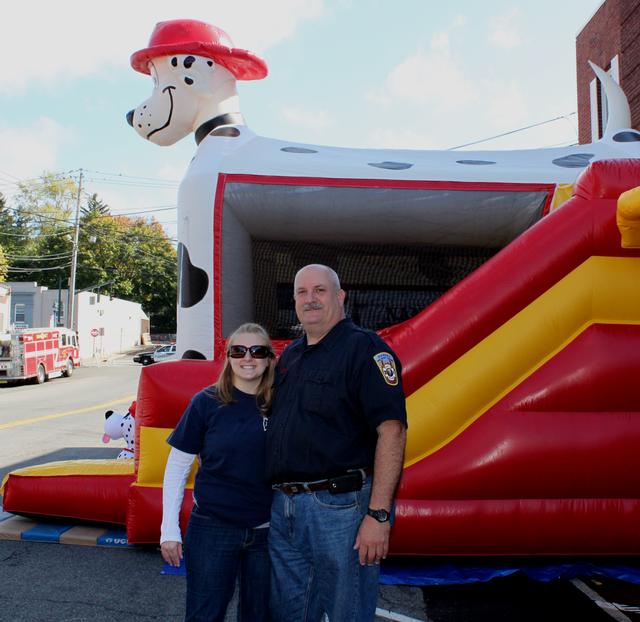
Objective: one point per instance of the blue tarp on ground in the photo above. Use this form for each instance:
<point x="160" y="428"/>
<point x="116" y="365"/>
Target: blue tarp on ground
<point x="422" y="572"/>
<point x="418" y="572"/>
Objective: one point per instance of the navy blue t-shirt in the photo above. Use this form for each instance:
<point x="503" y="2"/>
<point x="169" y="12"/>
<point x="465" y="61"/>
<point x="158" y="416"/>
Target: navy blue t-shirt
<point x="230" y="439"/>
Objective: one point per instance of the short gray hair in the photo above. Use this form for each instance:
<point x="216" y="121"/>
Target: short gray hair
<point x="333" y="275"/>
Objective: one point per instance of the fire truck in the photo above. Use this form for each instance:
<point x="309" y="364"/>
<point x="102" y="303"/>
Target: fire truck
<point x="37" y="353"/>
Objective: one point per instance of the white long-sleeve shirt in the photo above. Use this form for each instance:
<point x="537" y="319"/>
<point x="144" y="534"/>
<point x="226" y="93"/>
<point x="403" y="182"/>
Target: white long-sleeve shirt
<point x="175" y="478"/>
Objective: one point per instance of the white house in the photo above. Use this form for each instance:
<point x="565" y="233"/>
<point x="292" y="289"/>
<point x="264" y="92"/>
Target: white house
<point x="108" y="325"/>
<point x="105" y="325"/>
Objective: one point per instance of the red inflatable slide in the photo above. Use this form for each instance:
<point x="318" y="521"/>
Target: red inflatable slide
<point x="521" y="384"/>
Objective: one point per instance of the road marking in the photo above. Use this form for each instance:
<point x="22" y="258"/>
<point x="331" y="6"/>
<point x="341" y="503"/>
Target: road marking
<point x="392" y="615"/>
<point x="14" y="424"/>
<point x="605" y="605"/>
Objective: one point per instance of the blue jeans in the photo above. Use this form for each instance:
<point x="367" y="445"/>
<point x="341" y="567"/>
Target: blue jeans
<point x="215" y="554"/>
<point x="314" y="569"/>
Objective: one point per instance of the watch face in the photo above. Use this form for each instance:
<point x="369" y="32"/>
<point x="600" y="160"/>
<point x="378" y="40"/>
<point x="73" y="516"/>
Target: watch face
<point x="382" y="516"/>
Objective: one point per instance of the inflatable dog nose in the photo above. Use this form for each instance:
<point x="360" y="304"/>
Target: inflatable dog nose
<point x="130" y="117"/>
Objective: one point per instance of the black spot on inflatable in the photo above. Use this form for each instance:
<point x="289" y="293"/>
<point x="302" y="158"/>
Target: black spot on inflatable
<point x="230" y="132"/>
<point x="298" y="150"/>
<point x="626" y="137"/>
<point x="193" y="354"/>
<point x="393" y="166"/>
<point x="478" y="162"/>
<point x="575" y="160"/>
<point x="193" y="282"/>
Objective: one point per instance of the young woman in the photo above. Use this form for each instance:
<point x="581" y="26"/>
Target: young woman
<point x="226" y="538"/>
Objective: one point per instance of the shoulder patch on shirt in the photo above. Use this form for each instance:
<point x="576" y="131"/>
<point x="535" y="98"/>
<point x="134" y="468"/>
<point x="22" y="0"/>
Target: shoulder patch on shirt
<point x="387" y="367"/>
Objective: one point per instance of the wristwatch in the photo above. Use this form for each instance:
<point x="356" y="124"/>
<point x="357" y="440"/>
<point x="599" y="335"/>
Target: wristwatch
<point x="382" y="516"/>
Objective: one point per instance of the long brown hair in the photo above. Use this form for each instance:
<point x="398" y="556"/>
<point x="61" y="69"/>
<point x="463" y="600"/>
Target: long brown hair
<point x="224" y="385"/>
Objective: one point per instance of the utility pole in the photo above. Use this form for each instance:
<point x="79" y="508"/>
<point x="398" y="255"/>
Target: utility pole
<point x="59" y="302"/>
<point x="74" y="260"/>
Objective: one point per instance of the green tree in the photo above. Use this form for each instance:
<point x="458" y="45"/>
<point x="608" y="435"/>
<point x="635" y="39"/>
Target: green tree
<point x="130" y="257"/>
<point x="11" y="230"/>
<point x="37" y="229"/>
<point x="136" y="261"/>
<point x="3" y="265"/>
<point x="95" y="207"/>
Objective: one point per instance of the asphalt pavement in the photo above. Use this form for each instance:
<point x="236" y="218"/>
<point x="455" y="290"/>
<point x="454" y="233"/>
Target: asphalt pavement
<point x="46" y="582"/>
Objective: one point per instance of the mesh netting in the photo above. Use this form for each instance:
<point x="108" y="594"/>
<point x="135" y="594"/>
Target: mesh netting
<point x="385" y="284"/>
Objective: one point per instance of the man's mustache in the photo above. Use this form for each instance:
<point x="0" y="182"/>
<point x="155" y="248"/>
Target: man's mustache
<point x="312" y="306"/>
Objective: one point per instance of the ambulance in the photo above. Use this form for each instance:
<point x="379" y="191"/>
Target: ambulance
<point x="37" y="354"/>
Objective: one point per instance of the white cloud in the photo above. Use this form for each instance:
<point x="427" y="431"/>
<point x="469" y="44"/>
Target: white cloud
<point x="28" y="149"/>
<point x="434" y="76"/>
<point x="315" y="121"/>
<point x="70" y="39"/>
<point x="504" y="30"/>
<point x="506" y="105"/>
<point x="448" y="101"/>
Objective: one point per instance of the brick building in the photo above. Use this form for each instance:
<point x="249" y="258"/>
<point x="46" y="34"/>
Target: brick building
<point x="610" y="39"/>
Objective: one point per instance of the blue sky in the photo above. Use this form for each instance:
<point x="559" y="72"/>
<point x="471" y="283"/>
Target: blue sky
<point x="419" y="74"/>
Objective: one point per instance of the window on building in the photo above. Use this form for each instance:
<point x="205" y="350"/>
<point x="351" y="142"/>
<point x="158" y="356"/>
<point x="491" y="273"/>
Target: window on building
<point x="19" y="314"/>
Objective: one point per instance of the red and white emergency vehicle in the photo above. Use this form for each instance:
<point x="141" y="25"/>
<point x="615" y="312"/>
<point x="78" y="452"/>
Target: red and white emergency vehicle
<point x="38" y="353"/>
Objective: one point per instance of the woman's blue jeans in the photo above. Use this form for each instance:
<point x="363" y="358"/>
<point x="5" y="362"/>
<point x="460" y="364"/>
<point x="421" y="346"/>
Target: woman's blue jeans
<point x="313" y="564"/>
<point x="215" y="554"/>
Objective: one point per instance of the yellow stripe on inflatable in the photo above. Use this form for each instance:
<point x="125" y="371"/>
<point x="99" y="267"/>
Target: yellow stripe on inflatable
<point x="153" y="453"/>
<point x="73" y="467"/>
<point x="562" y="194"/>
<point x="601" y="290"/>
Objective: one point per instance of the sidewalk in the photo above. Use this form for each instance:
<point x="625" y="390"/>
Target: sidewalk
<point x="116" y="357"/>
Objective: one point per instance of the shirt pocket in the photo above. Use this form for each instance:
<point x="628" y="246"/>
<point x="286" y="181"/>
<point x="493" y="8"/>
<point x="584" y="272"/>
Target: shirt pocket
<point x="320" y="392"/>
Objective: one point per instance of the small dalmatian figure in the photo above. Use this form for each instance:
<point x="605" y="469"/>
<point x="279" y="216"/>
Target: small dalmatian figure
<point x="117" y="425"/>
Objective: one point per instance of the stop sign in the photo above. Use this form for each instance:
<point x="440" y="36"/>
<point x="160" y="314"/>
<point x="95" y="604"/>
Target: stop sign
<point x="95" y="332"/>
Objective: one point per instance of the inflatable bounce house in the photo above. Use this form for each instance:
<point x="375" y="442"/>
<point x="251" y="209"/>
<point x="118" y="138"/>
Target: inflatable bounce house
<point x="508" y="283"/>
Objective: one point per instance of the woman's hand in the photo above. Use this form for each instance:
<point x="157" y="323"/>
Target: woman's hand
<point x="171" y="552"/>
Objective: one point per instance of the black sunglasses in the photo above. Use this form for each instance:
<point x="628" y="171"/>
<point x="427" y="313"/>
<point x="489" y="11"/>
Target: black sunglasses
<point x="256" y="352"/>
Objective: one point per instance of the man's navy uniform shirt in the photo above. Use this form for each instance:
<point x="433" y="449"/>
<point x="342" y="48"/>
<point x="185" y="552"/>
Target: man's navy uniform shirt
<point x="329" y="398"/>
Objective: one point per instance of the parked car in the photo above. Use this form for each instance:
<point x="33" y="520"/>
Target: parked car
<point x="159" y="354"/>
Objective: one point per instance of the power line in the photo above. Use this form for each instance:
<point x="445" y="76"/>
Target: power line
<point x="32" y="234"/>
<point x="168" y="181"/>
<point x="16" y="181"/>
<point x="23" y="269"/>
<point x="520" y="129"/>
<point x="51" y="257"/>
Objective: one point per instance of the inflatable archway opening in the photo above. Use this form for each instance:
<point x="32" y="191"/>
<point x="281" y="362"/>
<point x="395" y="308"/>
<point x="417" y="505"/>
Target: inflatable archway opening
<point x="414" y="242"/>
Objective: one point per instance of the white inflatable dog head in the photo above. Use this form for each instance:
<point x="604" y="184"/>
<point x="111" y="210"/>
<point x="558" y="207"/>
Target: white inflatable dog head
<point x="194" y="69"/>
<point x="114" y="425"/>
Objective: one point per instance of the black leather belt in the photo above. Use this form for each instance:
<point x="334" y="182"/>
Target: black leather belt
<point x="349" y="482"/>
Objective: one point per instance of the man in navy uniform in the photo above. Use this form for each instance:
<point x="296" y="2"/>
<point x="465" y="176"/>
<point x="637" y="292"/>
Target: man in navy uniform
<point x="335" y="447"/>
